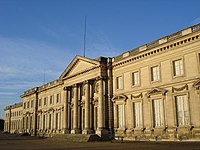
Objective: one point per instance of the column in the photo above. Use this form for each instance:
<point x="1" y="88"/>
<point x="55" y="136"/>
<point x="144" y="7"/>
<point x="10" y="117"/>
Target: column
<point x="54" y="120"/>
<point x="87" y="129"/>
<point x="75" y="121"/>
<point x="65" y="111"/>
<point x="68" y="119"/>
<point x="101" y="111"/>
<point x="91" y="108"/>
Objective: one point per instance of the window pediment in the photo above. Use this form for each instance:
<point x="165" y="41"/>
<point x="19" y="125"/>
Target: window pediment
<point x="156" y="91"/>
<point x="119" y="98"/>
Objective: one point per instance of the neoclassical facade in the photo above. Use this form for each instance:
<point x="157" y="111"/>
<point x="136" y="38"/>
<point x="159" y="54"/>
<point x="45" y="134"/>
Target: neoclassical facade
<point x="150" y="92"/>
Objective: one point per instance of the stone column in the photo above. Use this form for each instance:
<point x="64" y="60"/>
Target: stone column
<point x="101" y="111"/>
<point x="91" y="107"/>
<point x="87" y="129"/>
<point x="54" y="120"/>
<point x="65" y="111"/>
<point x="69" y="110"/>
<point x="75" y="121"/>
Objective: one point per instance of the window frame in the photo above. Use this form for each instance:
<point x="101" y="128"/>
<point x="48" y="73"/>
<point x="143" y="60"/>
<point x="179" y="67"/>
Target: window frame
<point x="173" y="67"/>
<point x="151" y="73"/>
<point x="117" y="83"/>
<point x="132" y="78"/>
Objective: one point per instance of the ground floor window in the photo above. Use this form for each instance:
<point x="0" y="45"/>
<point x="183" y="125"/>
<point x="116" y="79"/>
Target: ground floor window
<point x="137" y="110"/>
<point x="182" y="110"/>
<point x="158" y="113"/>
<point x="120" y="117"/>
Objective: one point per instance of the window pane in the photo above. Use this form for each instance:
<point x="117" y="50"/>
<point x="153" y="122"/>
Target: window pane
<point x="155" y="74"/>
<point x="120" y="116"/>
<point x="158" y="113"/>
<point x="182" y="110"/>
<point x="138" y="114"/>
<point x="135" y="78"/>
<point x="178" y="67"/>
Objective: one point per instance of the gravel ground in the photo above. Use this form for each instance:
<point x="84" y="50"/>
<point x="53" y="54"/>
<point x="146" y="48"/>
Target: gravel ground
<point x="8" y="142"/>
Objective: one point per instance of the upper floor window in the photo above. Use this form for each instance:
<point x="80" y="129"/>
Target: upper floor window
<point x="119" y="82"/>
<point x="178" y="67"/>
<point x="155" y="73"/>
<point x="31" y="103"/>
<point x="135" y="78"/>
<point x="40" y="102"/>
<point x="51" y="99"/>
<point x="28" y="103"/>
<point x="45" y="101"/>
<point x="58" y="98"/>
<point x="24" y="105"/>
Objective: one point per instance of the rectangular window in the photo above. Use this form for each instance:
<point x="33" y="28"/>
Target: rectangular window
<point x="28" y="103"/>
<point x="178" y="67"/>
<point x="31" y="103"/>
<point x="44" y="121"/>
<point x="45" y="101"/>
<point x="51" y="99"/>
<point x="40" y="102"/>
<point x="135" y="78"/>
<point x="58" y="98"/>
<point x="155" y="73"/>
<point x="50" y="121"/>
<point x="57" y="120"/>
<point x="137" y="107"/>
<point x="38" y="122"/>
<point x="182" y="110"/>
<point x="120" y="116"/>
<point x="119" y="82"/>
<point x="158" y="113"/>
<point x="24" y="105"/>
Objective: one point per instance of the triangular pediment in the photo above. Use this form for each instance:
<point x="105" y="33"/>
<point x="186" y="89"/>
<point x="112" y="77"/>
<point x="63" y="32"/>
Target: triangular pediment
<point x="79" y="64"/>
<point x="156" y="91"/>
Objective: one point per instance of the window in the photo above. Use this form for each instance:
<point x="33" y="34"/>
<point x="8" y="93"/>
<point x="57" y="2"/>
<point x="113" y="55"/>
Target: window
<point x="45" y="101"/>
<point x="31" y="103"/>
<point x="137" y="107"/>
<point x="57" y="120"/>
<point x="50" y="121"/>
<point x="135" y="78"/>
<point x="155" y="73"/>
<point x="158" y="113"/>
<point x="51" y="99"/>
<point x="120" y="116"/>
<point x="178" y="67"/>
<point x="119" y="82"/>
<point x="57" y="98"/>
<point x="40" y="102"/>
<point x="28" y="103"/>
<point x="24" y="105"/>
<point x="182" y="110"/>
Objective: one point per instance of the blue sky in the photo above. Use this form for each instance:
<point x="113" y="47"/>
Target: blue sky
<point x="45" y="35"/>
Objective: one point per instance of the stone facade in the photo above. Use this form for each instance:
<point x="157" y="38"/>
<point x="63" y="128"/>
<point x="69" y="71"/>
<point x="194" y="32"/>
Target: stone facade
<point x="150" y="92"/>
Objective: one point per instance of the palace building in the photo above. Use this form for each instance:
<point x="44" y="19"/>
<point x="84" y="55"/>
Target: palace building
<point x="150" y="92"/>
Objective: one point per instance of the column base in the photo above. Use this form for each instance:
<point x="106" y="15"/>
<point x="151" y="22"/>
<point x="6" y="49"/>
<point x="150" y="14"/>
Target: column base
<point x="87" y="131"/>
<point x="101" y="132"/>
<point x="75" y="131"/>
<point x="65" y="131"/>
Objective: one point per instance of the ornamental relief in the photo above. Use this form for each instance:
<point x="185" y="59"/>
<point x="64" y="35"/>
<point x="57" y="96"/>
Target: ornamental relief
<point x="156" y="91"/>
<point x="119" y="98"/>
<point x="185" y="87"/>
<point x="136" y="96"/>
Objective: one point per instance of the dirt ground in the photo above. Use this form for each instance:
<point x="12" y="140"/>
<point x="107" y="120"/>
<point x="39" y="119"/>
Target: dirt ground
<point x="34" y="143"/>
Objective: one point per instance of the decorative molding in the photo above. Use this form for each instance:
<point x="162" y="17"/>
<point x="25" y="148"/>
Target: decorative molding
<point x="119" y="98"/>
<point x="185" y="87"/>
<point x="136" y="96"/>
<point x="196" y="85"/>
<point x="155" y="91"/>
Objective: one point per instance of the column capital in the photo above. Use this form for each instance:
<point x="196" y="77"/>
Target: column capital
<point x="67" y="88"/>
<point x="100" y="78"/>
